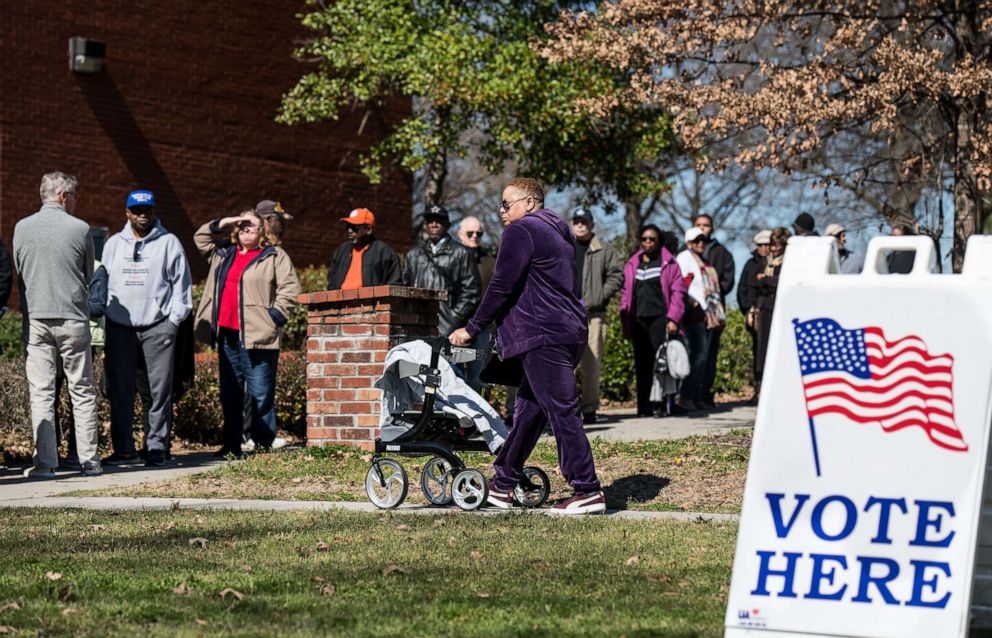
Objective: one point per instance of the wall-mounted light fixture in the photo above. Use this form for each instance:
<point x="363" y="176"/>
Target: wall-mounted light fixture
<point x="85" y="55"/>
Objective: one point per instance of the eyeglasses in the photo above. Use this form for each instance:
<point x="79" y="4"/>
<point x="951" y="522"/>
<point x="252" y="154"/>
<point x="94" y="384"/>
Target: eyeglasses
<point x="505" y="205"/>
<point x="354" y="228"/>
<point x="649" y="239"/>
<point x="473" y="233"/>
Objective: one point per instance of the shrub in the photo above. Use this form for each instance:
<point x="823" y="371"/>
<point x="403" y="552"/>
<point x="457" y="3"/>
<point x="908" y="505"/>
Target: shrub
<point x="312" y="279"/>
<point x="734" y="363"/>
<point x="11" y="340"/>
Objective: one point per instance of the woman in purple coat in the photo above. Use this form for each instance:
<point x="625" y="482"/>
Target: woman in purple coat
<point x="535" y="299"/>
<point x="652" y="302"/>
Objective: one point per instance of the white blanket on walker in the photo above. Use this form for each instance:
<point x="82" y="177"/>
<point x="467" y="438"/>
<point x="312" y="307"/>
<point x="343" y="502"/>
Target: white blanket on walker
<point x="454" y="396"/>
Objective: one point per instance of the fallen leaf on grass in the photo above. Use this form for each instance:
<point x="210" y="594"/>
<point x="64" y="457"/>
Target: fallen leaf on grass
<point x="200" y="621"/>
<point x="227" y="591"/>
<point x="98" y="527"/>
<point x="403" y="528"/>
<point x="297" y="481"/>
<point x="182" y="590"/>
<point x="483" y="594"/>
<point x="246" y="568"/>
<point x="198" y="519"/>
<point x="633" y="561"/>
<point x="366" y="458"/>
<point x="451" y="541"/>
<point x="439" y="523"/>
<point x="14" y="606"/>
<point x="169" y="525"/>
<point x="393" y="569"/>
<point x="53" y="575"/>
<point x="7" y="630"/>
<point x="69" y="611"/>
<point x="199" y="541"/>
<point x="679" y="460"/>
<point x="475" y="555"/>
<point x="327" y="589"/>
<point x="316" y="579"/>
<point x="323" y="547"/>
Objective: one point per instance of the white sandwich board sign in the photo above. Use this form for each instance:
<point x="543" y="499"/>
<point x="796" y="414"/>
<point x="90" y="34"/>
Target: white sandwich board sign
<point x="864" y="489"/>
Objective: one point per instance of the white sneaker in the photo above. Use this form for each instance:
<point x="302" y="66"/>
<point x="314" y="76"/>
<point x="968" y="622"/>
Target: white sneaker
<point x="580" y="505"/>
<point x="38" y="472"/>
<point x="92" y="470"/>
<point x="248" y="446"/>
<point x="278" y="443"/>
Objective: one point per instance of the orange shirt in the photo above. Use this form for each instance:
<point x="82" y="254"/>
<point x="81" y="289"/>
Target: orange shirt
<point x="354" y="277"/>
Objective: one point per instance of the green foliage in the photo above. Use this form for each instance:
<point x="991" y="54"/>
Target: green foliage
<point x="11" y="341"/>
<point x="312" y="279"/>
<point x="616" y="379"/>
<point x="475" y="66"/>
<point x="734" y="363"/>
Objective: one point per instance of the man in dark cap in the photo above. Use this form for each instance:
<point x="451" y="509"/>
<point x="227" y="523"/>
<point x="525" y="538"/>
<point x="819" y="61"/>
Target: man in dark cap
<point x="600" y="271"/>
<point x="805" y="226"/>
<point x="362" y="260"/>
<point x="439" y="261"/>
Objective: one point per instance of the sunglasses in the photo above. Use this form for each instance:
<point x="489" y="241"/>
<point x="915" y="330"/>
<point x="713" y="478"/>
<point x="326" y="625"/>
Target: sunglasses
<point x="473" y="233"/>
<point x="648" y="239"/>
<point x="505" y="205"/>
<point x="354" y="228"/>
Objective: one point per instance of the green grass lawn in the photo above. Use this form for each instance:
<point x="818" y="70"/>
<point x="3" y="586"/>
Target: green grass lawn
<point x="185" y="573"/>
<point x="697" y="474"/>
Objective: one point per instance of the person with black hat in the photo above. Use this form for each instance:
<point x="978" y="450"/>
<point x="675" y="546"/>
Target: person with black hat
<point x="600" y="271"/>
<point x="362" y="260"/>
<point x="804" y="226"/>
<point x="440" y="262"/>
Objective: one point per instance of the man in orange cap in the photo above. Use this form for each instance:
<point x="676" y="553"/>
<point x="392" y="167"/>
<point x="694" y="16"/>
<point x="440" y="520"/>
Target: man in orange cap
<point x="363" y="260"/>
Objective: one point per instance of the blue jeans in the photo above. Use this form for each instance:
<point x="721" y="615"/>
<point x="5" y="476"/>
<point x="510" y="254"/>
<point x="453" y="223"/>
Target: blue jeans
<point x="251" y="371"/>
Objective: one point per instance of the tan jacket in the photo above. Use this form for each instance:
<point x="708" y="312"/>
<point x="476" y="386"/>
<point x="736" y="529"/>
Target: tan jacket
<point x="269" y="283"/>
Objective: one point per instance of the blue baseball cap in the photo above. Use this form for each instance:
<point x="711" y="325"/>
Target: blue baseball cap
<point x="140" y="198"/>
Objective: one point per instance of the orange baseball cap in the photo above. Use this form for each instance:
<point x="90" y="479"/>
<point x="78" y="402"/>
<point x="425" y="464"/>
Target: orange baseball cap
<point x="360" y="216"/>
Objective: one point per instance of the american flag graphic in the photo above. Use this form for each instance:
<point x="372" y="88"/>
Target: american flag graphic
<point x="863" y="376"/>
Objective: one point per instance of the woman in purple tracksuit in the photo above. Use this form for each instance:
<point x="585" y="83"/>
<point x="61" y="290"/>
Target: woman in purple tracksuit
<point x="535" y="299"/>
<point x="652" y="303"/>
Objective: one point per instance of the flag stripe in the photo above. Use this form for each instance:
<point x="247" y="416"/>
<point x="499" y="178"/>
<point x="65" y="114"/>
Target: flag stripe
<point x="865" y="377"/>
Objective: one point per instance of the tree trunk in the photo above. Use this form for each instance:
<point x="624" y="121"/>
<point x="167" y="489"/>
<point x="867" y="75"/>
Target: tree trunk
<point x="437" y="172"/>
<point x="632" y="215"/>
<point x="967" y="197"/>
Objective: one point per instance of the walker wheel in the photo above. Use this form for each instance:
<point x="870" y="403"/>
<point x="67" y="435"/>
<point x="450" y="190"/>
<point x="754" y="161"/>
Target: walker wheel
<point x="435" y="481"/>
<point x="534" y="487"/>
<point x="386" y="484"/>
<point x="469" y="490"/>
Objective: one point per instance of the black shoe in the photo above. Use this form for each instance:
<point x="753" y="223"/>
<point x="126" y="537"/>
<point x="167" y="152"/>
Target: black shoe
<point x="589" y="419"/>
<point x="155" y="458"/>
<point x="223" y="452"/>
<point x="678" y="410"/>
<point x="121" y="459"/>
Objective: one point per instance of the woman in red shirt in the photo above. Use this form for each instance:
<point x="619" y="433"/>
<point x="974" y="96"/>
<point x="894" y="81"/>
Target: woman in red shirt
<point x="249" y="295"/>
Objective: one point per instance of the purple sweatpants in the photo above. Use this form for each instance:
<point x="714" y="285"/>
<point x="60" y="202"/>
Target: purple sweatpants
<point x="548" y="396"/>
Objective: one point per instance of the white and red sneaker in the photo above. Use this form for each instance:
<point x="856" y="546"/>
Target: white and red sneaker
<point x="503" y="499"/>
<point x="580" y="504"/>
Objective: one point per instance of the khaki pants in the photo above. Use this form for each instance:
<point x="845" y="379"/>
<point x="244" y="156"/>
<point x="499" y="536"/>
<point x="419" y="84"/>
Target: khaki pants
<point x="591" y="362"/>
<point x="49" y="339"/>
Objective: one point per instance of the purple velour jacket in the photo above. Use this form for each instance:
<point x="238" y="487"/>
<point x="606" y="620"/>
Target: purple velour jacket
<point x="535" y="296"/>
<point x="672" y="287"/>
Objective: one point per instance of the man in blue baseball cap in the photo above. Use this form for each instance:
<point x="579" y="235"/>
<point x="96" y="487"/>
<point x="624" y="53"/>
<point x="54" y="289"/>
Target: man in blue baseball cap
<point x="149" y="293"/>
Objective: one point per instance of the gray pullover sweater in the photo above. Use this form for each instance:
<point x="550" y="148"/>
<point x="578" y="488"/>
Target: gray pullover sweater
<point x="53" y="255"/>
<point x="147" y="280"/>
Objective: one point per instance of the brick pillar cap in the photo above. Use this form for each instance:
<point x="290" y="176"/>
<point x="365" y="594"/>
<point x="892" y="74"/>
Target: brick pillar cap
<point x="372" y="292"/>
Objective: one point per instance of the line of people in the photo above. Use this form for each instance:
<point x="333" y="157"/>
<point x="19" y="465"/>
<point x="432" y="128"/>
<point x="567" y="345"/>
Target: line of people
<point x="142" y="291"/>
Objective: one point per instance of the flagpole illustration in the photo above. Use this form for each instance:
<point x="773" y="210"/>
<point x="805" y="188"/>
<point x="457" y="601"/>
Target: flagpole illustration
<point x="816" y="451"/>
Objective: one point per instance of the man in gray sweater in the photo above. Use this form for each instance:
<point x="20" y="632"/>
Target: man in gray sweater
<point x="149" y="293"/>
<point x="53" y="255"/>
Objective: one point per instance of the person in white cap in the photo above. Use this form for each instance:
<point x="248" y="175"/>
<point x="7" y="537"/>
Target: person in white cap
<point x="747" y="292"/>
<point x="851" y="263"/>
<point x="704" y="314"/>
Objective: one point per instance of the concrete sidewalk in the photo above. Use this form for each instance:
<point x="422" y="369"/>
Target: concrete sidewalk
<point x="16" y="491"/>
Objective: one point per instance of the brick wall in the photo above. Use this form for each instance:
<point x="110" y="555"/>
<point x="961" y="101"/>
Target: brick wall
<point x="185" y="106"/>
<point x="348" y="335"/>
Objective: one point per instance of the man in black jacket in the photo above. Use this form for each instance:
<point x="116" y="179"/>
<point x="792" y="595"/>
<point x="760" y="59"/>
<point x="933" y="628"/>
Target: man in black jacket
<point x="716" y="254"/>
<point x="363" y="260"/>
<point x="440" y="262"/>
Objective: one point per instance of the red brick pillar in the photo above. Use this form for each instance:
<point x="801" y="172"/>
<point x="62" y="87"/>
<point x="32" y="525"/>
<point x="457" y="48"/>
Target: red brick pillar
<point x="348" y="335"/>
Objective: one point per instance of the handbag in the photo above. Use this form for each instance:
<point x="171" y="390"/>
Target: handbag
<point x="677" y="356"/>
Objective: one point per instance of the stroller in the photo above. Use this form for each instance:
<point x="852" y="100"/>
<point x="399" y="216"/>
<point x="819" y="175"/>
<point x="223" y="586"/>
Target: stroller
<point x="452" y="418"/>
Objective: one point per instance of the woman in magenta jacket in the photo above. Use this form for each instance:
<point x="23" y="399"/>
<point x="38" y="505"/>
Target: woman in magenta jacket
<point x="652" y="302"/>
